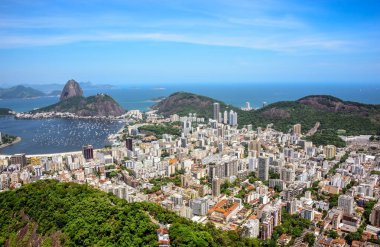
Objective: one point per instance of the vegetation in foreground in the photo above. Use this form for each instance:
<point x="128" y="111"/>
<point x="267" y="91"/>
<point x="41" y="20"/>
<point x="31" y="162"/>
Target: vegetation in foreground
<point x="69" y="214"/>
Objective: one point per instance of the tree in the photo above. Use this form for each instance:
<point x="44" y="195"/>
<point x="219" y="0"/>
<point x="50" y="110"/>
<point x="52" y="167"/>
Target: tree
<point x="309" y="238"/>
<point x="332" y="234"/>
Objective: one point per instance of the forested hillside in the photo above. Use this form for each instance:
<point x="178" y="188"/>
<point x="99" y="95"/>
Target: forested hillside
<point x="50" y="213"/>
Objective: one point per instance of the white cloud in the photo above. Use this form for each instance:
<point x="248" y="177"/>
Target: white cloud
<point x="277" y="44"/>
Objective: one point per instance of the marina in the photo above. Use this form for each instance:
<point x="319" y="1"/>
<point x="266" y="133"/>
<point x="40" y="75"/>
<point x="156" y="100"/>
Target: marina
<point x="58" y="134"/>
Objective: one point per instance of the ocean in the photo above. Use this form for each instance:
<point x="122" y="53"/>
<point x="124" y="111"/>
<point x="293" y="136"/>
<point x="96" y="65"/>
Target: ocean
<point x="61" y="135"/>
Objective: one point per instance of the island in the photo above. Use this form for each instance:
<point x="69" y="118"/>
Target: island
<point x="23" y="92"/>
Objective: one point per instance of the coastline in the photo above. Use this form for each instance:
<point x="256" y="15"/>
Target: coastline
<point x="52" y="154"/>
<point x="50" y="115"/>
<point x="17" y="140"/>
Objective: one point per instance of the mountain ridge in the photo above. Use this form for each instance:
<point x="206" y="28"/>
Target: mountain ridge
<point x="20" y="92"/>
<point x="331" y="112"/>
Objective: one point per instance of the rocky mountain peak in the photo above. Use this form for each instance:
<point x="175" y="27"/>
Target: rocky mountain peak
<point x="71" y="89"/>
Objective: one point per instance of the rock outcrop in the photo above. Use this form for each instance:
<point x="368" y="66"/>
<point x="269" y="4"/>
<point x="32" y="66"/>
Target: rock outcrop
<point x="72" y="101"/>
<point x="71" y="89"/>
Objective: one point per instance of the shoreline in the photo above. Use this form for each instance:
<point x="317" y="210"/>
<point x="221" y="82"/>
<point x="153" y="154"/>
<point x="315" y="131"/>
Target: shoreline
<point x="17" y="140"/>
<point x="63" y="115"/>
<point x="52" y="154"/>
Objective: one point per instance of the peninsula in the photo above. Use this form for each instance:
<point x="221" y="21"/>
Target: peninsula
<point x="73" y="104"/>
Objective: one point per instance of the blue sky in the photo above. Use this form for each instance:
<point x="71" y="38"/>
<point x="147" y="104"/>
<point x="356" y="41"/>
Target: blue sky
<point x="160" y="42"/>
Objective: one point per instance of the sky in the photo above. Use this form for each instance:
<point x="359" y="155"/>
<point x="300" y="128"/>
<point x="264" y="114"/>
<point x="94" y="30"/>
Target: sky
<point x="197" y="41"/>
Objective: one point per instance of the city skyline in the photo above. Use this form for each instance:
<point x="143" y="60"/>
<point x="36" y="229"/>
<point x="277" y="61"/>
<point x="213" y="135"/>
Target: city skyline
<point x="180" y="42"/>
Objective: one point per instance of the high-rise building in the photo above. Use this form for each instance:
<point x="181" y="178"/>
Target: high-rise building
<point x="329" y="151"/>
<point x="287" y="174"/>
<point x="308" y="213"/>
<point x="263" y="171"/>
<point x="186" y="127"/>
<point x="346" y="203"/>
<point x="225" y="117"/>
<point x="88" y="152"/>
<point x="251" y="228"/>
<point x="266" y="228"/>
<point x="374" y="218"/>
<point x="297" y="129"/>
<point x="18" y="159"/>
<point x="216" y="187"/>
<point x="252" y="164"/>
<point x="235" y="122"/>
<point x="128" y="144"/>
<point x="38" y="171"/>
<point x="216" y="111"/>
<point x="231" y="118"/>
<point x="199" y="206"/>
<point x="177" y="199"/>
<point x="291" y="206"/>
<point x="255" y="145"/>
<point x="183" y="142"/>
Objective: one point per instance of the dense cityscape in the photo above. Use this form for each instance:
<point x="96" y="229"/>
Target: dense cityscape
<point x="140" y="123"/>
<point x="263" y="183"/>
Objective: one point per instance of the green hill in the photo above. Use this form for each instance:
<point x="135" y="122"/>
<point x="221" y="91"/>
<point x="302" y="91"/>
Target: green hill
<point x="19" y="91"/>
<point x="5" y="111"/>
<point x="332" y="113"/>
<point x="50" y="213"/>
<point x="97" y="105"/>
<point x="183" y="103"/>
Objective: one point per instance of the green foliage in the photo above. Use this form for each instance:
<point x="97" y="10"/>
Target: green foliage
<point x="160" y="129"/>
<point x="283" y="114"/>
<point x="332" y="234"/>
<point x="252" y="178"/>
<point x="309" y="238"/>
<point x="353" y="236"/>
<point x="349" y="186"/>
<point x="333" y="201"/>
<point x="90" y="106"/>
<point x="77" y="215"/>
<point x="274" y="175"/>
<point x="375" y="172"/>
<point x="368" y="206"/>
<point x="288" y="113"/>
<point x="344" y="158"/>
<point x="183" y="103"/>
<point x="326" y="137"/>
<point x="84" y="216"/>
<point x="224" y="188"/>
<point x="374" y="138"/>
<point x="158" y="182"/>
<point x="5" y="111"/>
<point x="112" y="174"/>
<point x="7" y="138"/>
<point x="241" y="194"/>
<point x="292" y="224"/>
